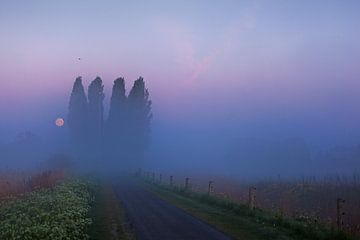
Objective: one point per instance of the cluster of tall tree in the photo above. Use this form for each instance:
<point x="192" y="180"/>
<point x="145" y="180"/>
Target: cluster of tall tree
<point x="125" y="134"/>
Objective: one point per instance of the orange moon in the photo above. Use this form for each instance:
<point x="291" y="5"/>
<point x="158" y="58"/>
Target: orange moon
<point x="59" y="122"/>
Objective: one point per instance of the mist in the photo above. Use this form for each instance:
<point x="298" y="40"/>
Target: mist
<point x="261" y="91"/>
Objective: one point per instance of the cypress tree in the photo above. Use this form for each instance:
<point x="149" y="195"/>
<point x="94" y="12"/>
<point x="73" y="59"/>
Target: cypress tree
<point x="77" y="116"/>
<point x="116" y="125"/>
<point x="117" y="111"/>
<point x="96" y="110"/>
<point x="140" y="116"/>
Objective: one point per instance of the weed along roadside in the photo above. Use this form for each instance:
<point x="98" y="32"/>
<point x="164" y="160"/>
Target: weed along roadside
<point x="74" y="208"/>
<point x="61" y="212"/>
<point x="240" y="221"/>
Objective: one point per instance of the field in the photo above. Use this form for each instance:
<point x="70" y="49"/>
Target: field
<point x="15" y="183"/>
<point x="239" y="221"/>
<point x="303" y="199"/>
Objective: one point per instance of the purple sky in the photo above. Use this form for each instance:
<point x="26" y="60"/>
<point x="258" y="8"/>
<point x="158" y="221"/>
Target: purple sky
<point x="282" y="68"/>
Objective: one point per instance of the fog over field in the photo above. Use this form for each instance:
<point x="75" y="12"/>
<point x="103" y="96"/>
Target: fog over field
<point x="238" y="88"/>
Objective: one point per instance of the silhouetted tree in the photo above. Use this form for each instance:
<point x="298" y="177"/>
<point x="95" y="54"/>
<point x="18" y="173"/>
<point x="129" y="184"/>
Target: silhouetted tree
<point x="139" y="110"/>
<point x="127" y="131"/>
<point x="77" y="117"/>
<point x="116" y="125"/>
<point x="117" y="113"/>
<point x="96" y="110"/>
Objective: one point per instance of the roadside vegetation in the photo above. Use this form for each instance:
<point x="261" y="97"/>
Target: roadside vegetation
<point x="53" y="205"/>
<point x="109" y="218"/>
<point x="241" y="222"/>
<point x="15" y="183"/>
<point x="61" y="212"/>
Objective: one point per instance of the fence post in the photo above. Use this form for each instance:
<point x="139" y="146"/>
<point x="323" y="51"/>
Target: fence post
<point x="160" y="178"/>
<point x="252" y="197"/>
<point x="171" y="181"/>
<point x="339" y="213"/>
<point x="210" y="187"/>
<point x="153" y="177"/>
<point x="187" y="183"/>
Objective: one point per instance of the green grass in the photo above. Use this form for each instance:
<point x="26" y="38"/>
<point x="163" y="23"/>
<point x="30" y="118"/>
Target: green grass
<point x="240" y="222"/>
<point x="108" y="216"/>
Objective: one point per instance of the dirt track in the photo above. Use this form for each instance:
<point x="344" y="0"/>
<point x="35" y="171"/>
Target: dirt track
<point x="155" y="219"/>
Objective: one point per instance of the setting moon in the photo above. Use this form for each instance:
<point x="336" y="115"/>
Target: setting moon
<point x="59" y="122"/>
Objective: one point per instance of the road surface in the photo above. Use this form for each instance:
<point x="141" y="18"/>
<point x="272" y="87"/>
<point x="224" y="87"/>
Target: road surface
<point x="155" y="219"/>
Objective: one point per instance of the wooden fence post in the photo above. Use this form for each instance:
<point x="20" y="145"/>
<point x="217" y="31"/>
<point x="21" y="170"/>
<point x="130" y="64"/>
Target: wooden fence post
<point x="252" y="197"/>
<point x="339" y="213"/>
<point x="171" y="181"/>
<point x="210" y="187"/>
<point x="160" y="178"/>
<point x="187" y="183"/>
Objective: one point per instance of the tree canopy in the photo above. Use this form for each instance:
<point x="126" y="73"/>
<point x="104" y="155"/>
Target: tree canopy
<point x="125" y="134"/>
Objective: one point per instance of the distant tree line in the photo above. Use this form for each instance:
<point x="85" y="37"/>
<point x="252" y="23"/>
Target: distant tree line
<point x="124" y="135"/>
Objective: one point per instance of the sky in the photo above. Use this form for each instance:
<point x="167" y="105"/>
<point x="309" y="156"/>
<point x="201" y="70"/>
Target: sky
<point x="220" y="69"/>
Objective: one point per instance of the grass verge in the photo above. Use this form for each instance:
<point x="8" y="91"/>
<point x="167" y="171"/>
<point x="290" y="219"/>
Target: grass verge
<point x="108" y="216"/>
<point x="240" y="222"/>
